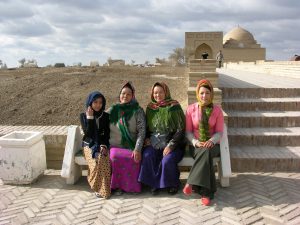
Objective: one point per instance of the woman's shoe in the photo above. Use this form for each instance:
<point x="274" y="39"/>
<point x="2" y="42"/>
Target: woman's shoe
<point x="98" y="195"/>
<point x="187" y="190"/>
<point x="119" y="192"/>
<point x="154" y="191"/>
<point x="172" y="191"/>
<point x="205" y="200"/>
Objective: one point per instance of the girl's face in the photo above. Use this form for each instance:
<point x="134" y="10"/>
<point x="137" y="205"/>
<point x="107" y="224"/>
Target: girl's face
<point x="159" y="94"/>
<point x="97" y="104"/>
<point x="126" y="95"/>
<point x="205" y="95"/>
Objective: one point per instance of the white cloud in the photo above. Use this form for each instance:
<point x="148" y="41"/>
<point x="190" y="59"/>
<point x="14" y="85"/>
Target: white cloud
<point x="75" y="30"/>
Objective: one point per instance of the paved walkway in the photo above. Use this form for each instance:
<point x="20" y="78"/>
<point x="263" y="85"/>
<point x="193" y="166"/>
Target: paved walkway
<point x="252" y="198"/>
<point x="243" y="79"/>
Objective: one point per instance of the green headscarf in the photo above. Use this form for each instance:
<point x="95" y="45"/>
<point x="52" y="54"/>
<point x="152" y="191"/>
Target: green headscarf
<point x="166" y="116"/>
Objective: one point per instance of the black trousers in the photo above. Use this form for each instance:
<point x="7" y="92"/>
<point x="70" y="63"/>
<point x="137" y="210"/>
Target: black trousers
<point x="202" y="173"/>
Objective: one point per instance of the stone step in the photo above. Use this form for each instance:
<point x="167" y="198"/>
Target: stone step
<point x="260" y="104"/>
<point x="196" y="65"/>
<point x="258" y="92"/>
<point x="264" y="119"/>
<point x="194" y="77"/>
<point x="278" y="136"/>
<point x="265" y="158"/>
<point x="192" y="96"/>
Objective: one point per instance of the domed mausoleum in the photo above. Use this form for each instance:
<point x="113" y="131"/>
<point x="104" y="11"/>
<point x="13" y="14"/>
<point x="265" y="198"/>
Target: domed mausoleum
<point x="237" y="45"/>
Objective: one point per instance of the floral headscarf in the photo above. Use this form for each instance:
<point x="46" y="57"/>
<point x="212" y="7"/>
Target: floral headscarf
<point x="206" y="110"/>
<point x="204" y="83"/>
<point x="165" y="116"/>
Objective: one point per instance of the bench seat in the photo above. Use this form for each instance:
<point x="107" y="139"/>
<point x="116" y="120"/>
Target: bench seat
<point x="74" y="159"/>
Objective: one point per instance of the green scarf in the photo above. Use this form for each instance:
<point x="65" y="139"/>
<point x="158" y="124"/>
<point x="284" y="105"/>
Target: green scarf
<point x="204" y="134"/>
<point x="165" y="119"/>
<point x="120" y="114"/>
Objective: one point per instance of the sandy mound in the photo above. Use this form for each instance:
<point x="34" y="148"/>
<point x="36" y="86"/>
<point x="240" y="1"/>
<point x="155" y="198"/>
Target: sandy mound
<point x="56" y="96"/>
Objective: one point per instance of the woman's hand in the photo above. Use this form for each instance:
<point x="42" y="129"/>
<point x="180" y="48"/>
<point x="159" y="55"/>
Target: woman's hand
<point x="206" y="144"/>
<point x="199" y="144"/>
<point x="89" y="111"/>
<point x="147" y="142"/>
<point x="137" y="156"/>
<point x="166" y="151"/>
<point x="103" y="150"/>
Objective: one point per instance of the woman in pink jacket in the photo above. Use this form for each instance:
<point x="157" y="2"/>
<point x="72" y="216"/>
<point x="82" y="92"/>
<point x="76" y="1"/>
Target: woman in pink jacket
<point x="204" y="129"/>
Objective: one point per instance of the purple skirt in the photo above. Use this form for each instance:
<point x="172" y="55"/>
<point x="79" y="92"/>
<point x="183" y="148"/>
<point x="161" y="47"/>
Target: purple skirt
<point x="158" y="171"/>
<point x="125" y="171"/>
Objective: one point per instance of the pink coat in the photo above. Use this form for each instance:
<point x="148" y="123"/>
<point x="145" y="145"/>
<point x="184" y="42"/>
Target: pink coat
<point x="193" y="116"/>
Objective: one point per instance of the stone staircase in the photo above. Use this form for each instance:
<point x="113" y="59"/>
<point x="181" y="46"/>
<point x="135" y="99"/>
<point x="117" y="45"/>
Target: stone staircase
<point x="263" y="128"/>
<point x="278" y="68"/>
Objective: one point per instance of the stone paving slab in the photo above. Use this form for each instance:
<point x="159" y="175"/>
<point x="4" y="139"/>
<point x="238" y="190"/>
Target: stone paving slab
<point x="252" y="198"/>
<point x="244" y="79"/>
<point x="46" y="130"/>
<point x="264" y="100"/>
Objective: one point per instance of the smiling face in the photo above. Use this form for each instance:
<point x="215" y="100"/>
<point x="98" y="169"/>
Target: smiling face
<point x="97" y="104"/>
<point x="159" y="94"/>
<point x="126" y="95"/>
<point x="205" y="95"/>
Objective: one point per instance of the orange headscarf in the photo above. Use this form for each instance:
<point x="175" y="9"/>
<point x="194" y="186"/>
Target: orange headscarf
<point x="204" y="83"/>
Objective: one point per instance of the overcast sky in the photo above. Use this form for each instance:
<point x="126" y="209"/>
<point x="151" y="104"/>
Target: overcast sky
<point x="72" y="31"/>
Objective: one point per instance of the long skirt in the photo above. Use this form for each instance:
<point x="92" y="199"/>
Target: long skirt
<point x="125" y="170"/>
<point x="99" y="173"/>
<point x="202" y="173"/>
<point x="158" y="171"/>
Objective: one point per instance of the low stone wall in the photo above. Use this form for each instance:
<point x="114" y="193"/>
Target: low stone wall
<point x="55" y="139"/>
<point x="279" y="68"/>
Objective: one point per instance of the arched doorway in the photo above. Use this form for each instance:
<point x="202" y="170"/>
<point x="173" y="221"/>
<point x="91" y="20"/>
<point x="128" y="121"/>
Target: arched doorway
<point x="201" y="49"/>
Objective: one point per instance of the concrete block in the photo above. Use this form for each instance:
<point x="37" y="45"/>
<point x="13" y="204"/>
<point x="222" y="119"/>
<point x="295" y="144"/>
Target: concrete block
<point x="70" y="169"/>
<point x="22" y="157"/>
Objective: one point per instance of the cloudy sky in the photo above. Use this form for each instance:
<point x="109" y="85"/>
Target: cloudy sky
<point x="72" y="31"/>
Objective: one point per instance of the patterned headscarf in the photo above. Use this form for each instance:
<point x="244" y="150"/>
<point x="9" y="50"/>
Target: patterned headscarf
<point x="168" y="101"/>
<point x="165" y="116"/>
<point x="129" y="85"/>
<point x="206" y="110"/>
<point x="204" y="83"/>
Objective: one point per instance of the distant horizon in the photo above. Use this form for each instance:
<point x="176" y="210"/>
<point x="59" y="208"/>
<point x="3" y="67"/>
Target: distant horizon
<point x="84" y="31"/>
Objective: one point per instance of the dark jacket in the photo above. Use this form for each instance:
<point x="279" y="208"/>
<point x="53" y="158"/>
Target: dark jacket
<point x="93" y="136"/>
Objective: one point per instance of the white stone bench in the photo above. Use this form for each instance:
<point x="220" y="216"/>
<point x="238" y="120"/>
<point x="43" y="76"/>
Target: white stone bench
<point x="72" y="171"/>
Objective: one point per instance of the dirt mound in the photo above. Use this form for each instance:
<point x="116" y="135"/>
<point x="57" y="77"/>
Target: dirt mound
<point x="56" y="96"/>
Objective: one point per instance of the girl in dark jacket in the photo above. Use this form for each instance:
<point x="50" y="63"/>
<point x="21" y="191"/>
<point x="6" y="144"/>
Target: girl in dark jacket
<point x="95" y="126"/>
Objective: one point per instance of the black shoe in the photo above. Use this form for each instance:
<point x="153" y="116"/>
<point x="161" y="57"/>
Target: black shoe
<point x="154" y="191"/>
<point x="172" y="190"/>
<point x="119" y="192"/>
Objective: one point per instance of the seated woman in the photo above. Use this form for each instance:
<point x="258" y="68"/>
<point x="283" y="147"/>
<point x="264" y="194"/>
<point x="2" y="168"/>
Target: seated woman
<point x="128" y="129"/>
<point x="164" y="143"/>
<point x="95" y="126"/>
<point x="204" y="129"/>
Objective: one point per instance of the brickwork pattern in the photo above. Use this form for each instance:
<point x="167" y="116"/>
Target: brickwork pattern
<point x="252" y="198"/>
